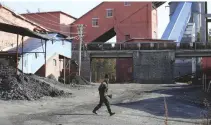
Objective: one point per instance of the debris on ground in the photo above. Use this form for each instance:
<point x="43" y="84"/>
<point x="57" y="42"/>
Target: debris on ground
<point x="81" y="81"/>
<point x="24" y="87"/>
<point x="51" y="76"/>
<point x="77" y="80"/>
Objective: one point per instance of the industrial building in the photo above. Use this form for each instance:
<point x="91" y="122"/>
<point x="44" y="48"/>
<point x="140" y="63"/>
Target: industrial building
<point x="138" y="23"/>
<point x="36" y="59"/>
<point x="55" y="21"/>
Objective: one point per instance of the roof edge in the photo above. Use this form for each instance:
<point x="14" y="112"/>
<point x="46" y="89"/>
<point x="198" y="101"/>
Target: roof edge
<point x="88" y="12"/>
<point x="52" y="12"/>
<point x="21" y="17"/>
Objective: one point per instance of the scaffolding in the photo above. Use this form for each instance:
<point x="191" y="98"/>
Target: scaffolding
<point x="21" y="31"/>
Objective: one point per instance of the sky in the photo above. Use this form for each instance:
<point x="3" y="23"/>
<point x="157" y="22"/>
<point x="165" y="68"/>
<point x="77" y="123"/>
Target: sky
<point x="78" y="8"/>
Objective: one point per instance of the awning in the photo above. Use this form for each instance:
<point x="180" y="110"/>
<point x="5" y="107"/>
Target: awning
<point x="21" y="31"/>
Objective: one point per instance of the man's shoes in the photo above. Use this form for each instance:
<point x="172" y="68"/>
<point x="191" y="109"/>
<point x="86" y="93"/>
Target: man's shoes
<point x="112" y="113"/>
<point x="94" y="112"/>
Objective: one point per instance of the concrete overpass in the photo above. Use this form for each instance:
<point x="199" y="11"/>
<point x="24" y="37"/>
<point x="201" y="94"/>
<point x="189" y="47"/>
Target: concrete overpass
<point x="123" y="50"/>
<point x="129" y="54"/>
<point x="152" y="62"/>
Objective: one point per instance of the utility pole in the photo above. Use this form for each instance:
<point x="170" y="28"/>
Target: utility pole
<point x="80" y="33"/>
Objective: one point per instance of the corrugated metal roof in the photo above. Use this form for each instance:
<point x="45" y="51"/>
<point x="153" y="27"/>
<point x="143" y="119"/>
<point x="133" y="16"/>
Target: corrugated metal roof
<point x="21" y="31"/>
<point x="31" y="44"/>
<point x="21" y="17"/>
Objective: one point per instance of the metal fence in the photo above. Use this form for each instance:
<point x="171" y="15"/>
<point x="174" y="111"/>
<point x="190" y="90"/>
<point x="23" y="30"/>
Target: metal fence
<point x="143" y="46"/>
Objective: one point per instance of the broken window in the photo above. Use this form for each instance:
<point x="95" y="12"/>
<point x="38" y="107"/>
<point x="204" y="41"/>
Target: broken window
<point x="95" y="22"/>
<point x="109" y="13"/>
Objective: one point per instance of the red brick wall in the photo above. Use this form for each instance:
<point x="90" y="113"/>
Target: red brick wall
<point x="53" y="21"/>
<point x="135" y="20"/>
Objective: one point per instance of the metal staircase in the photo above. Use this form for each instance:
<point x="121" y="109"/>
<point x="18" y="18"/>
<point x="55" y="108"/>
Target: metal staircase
<point x="178" y="22"/>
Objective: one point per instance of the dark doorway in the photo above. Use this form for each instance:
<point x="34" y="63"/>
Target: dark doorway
<point x="120" y="70"/>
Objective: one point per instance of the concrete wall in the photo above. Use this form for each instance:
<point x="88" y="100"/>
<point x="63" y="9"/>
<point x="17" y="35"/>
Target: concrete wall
<point x="65" y="22"/>
<point x="153" y="67"/>
<point x="50" y="67"/>
<point x="148" y="67"/>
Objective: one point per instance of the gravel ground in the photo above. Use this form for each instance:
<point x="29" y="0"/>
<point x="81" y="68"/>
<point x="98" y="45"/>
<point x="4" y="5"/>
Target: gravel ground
<point x="134" y="104"/>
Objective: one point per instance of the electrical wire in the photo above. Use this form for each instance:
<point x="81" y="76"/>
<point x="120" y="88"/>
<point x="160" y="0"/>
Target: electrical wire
<point x="52" y="29"/>
<point x="72" y="25"/>
<point x="47" y="19"/>
<point x="5" y="20"/>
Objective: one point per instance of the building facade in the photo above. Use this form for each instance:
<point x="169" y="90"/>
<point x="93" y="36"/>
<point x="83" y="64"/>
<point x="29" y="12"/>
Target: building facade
<point x="55" y="21"/>
<point x="123" y="19"/>
<point x="126" y="20"/>
<point x="9" y="40"/>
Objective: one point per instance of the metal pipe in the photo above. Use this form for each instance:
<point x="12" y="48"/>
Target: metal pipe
<point x="45" y="57"/>
<point x="80" y="28"/>
<point x="203" y="23"/>
<point x="64" y="69"/>
<point x="90" y="73"/>
<point x="22" y="55"/>
<point x="206" y="22"/>
<point x="69" y="71"/>
<point x="17" y="55"/>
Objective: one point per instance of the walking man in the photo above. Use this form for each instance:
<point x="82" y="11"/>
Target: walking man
<point x="103" y="89"/>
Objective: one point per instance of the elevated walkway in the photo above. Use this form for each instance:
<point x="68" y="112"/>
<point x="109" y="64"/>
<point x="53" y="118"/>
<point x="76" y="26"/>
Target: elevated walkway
<point x="126" y="50"/>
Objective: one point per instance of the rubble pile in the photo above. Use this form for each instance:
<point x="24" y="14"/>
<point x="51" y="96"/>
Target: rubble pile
<point x="77" y="80"/>
<point x="24" y="87"/>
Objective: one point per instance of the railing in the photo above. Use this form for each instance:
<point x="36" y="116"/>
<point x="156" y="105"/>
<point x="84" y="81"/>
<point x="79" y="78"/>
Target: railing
<point x="143" y="46"/>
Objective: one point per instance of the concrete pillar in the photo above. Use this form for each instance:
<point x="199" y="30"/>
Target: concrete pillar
<point x="196" y="12"/>
<point x="203" y="23"/>
<point x="153" y="67"/>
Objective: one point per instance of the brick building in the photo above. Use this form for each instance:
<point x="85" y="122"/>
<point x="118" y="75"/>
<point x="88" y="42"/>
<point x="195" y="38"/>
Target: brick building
<point x="125" y="20"/>
<point x="56" y="21"/>
<point x="8" y="43"/>
<point x="7" y="16"/>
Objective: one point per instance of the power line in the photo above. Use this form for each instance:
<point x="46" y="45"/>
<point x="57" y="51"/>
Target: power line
<point x="55" y="23"/>
<point x="52" y="29"/>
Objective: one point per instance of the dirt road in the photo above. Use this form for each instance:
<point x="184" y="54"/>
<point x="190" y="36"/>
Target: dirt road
<point x="134" y="104"/>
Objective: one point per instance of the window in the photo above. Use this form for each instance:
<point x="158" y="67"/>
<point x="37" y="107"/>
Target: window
<point x="54" y="62"/>
<point x="95" y="22"/>
<point x="127" y="3"/>
<point x="109" y="13"/>
<point x="127" y="37"/>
